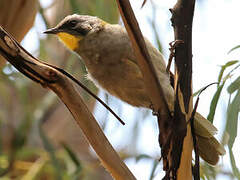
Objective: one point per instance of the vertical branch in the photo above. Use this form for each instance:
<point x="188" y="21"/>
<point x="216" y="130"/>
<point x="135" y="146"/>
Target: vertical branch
<point x="182" y="18"/>
<point x="176" y="148"/>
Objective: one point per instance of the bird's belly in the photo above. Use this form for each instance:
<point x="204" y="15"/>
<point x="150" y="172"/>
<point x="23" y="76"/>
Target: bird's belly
<point x="122" y="80"/>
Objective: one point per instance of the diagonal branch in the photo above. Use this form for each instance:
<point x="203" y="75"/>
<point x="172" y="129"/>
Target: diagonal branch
<point x="49" y="77"/>
<point x="151" y="81"/>
<point x="144" y="61"/>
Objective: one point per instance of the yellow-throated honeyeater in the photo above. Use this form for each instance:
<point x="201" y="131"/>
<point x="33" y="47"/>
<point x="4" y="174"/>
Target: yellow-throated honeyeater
<point x="108" y="55"/>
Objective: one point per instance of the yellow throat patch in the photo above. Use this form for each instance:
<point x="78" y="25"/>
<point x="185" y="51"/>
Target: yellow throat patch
<point x="69" y="40"/>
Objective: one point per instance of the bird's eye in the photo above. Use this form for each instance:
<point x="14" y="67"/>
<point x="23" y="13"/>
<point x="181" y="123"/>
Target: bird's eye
<point x="73" y="23"/>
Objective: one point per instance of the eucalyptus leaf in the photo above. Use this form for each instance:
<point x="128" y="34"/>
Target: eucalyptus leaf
<point x="142" y="156"/>
<point x="155" y="164"/>
<point x="72" y="155"/>
<point x="232" y="118"/>
<point x="228" y="64"/>
<point x="231" y="128"/>
<point x="214" y="103"/>
<point x="234" y="86"/>
<point x="234" y="48"/>
<point x="51" y="151"/>
<point x="233" y="164"/>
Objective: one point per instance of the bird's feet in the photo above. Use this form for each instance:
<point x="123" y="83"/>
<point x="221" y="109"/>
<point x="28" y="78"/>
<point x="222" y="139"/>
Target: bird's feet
<point x="172" y="48"/>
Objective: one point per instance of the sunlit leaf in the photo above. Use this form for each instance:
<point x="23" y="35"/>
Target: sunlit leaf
<point x="34" y="169"/>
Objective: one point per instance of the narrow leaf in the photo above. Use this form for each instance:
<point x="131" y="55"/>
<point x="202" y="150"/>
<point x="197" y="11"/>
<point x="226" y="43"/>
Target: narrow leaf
<point x="234" y="86"/>
<point x="203" y="89"/>
<point x="233" y="164"/>
<point x="142" y="156"/>
<point x="72" y="155"/>
<point x="230" y="63"/>
<point x="155" y="164"/>
<point x="232" y="118"/>
<point x="234" y="48"/>
<point x="214" y="102"/>
<point x="50" y="149"/>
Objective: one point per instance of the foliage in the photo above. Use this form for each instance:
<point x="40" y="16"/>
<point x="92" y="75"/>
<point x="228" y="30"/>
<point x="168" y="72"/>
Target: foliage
<point x="37" y="137"/>
<point x="232" y="112"/>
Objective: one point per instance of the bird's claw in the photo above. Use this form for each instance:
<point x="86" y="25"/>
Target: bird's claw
<point x="172" y="48"/>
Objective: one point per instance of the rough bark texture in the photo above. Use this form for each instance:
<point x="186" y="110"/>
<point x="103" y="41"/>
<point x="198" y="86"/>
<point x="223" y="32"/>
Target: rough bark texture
<point x="182" y="18"/>
<point x="173" y="130"/>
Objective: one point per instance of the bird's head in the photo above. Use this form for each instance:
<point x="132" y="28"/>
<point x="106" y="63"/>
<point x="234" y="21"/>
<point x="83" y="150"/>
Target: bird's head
<point x="74" y="28"/>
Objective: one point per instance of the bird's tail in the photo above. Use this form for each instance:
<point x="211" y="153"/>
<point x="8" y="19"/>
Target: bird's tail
<point x="209" y="147"/>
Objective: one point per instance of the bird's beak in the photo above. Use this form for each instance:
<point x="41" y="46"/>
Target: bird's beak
<point x="52" y="31"/>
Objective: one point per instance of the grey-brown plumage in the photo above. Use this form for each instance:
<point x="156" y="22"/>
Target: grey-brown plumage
<point x="112" y="64"/>
<point x="108" y="55"/>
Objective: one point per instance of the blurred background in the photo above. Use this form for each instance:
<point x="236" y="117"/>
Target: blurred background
<point x="39" y="138"/>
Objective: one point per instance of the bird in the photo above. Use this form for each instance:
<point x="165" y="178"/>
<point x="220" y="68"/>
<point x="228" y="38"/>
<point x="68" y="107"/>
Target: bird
<point x="112" y="65"/>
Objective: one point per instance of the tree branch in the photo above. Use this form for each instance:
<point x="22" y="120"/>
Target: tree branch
<point x="51" y="78"/>
<point x="182" y="18"/>
<point x="152" y="84"/>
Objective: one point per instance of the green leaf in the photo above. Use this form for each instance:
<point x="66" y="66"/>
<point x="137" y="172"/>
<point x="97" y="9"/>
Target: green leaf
<point x="234" y="48"/>
<point x="233" y="164"/>
<point x="51" y="151"/>
<point x="232" y="118"/>
<point x="72" y="155"/>
<point x="229" y="63"/>
<point x="155" y="164"/>
<point x="214" y="102"/>
<point x="96" y="8"/>
<point x="79" y="169"/>
<point x="21" y="133"/>
<point x="234" y="86"/>
<point x="231" y="128"/>
<point x="74" y="6"/>
<point x="142" y="156"/>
